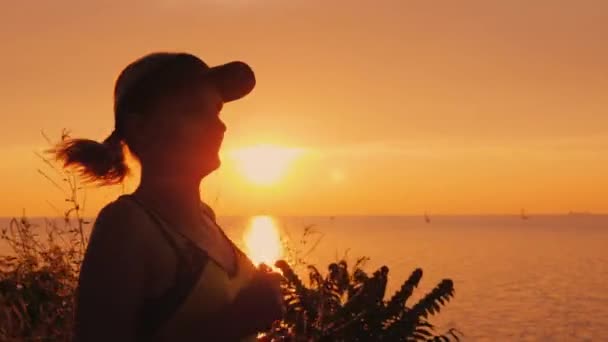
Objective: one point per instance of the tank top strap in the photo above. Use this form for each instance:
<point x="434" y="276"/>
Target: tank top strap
<point x="191" y="261"/>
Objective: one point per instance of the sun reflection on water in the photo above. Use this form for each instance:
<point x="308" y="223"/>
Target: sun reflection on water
<point x="263" y="241"/>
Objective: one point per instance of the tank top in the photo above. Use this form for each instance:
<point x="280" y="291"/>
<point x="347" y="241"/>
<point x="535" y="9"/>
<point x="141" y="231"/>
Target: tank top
<point x="200" y="288"/>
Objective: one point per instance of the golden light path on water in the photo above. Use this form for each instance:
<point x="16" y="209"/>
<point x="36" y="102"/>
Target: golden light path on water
<point x="263" y="241"/>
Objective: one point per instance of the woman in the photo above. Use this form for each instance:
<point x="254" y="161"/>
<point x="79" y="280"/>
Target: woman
<point x="158" y="267"/>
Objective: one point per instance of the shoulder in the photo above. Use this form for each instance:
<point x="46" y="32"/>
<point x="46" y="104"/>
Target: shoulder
<point x="119" y="244"/>
<point x="122" y="213"/>
<point x="120" y="222"/>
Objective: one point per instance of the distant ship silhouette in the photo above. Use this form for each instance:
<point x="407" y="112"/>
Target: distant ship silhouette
<point x="427" y="219"/>
<point x="523" y="215"/>
<point x="579" y="213"/>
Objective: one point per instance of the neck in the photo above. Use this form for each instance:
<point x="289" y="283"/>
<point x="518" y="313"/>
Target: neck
<point x="171" y="194"/>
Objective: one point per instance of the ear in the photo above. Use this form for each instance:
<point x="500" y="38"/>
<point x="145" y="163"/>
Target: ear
<point x="137" y="131"/>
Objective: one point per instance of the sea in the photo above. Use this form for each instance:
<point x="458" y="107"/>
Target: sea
<point x="536" y="278"/>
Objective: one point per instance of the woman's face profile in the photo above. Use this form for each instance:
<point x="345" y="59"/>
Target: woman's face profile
<point x="186" y="131"/>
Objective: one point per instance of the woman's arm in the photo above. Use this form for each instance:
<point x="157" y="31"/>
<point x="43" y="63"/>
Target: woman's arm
<point x="253" y="310"/>
<point x="111" y="279"/>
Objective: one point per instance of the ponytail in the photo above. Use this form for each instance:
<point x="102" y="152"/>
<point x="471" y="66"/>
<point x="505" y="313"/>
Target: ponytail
<point x="102" y="163"/>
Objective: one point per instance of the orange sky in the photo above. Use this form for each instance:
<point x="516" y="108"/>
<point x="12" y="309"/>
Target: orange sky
<point x="400" y="106"/>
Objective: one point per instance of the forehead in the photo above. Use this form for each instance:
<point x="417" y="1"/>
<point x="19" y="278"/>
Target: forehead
<point x="204" y="90"/>
<point x="201" y="94"/>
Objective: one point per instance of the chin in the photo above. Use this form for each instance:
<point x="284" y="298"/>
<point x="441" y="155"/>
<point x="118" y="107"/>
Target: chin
<point x="210" y="166"/>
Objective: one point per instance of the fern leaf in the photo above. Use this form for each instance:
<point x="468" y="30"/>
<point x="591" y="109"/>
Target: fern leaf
<point x="399" y="299"/>
<point x="428" y="304"/>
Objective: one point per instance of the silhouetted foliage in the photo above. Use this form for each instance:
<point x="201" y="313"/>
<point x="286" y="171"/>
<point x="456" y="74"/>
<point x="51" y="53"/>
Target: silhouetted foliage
<point x="350" y="306"/>
<point x="38" y="279"/>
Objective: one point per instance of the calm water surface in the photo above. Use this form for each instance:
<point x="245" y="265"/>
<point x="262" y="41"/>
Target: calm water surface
<point x="542" y="279"/>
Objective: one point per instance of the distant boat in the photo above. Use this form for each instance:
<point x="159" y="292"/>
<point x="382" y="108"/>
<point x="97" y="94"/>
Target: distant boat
<point x="427" y="219"/>
<point x="579" y="213"/>
<point x="523" y="215"/>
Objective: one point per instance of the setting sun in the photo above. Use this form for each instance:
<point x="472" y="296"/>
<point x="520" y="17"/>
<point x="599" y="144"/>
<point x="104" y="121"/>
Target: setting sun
<point x="303" y="149"/>
<point x="262" y="241"/>
<point x="264" y="164"/>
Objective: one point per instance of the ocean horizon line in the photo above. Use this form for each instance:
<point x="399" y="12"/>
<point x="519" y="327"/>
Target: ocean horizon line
<point x="335" y="216"/>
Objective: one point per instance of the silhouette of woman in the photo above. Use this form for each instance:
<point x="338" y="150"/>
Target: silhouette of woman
<point x="158" y="267"/>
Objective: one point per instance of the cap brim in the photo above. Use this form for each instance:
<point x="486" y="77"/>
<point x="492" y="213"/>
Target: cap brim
<point x="234" y="80"/>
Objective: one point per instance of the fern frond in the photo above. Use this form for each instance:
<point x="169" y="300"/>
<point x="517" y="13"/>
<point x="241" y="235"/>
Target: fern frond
<point x="432" y="302"/>
<point x="396" y="304"/>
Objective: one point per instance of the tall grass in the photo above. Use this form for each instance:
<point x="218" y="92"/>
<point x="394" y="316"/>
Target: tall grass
<point x="39" y="274"/>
